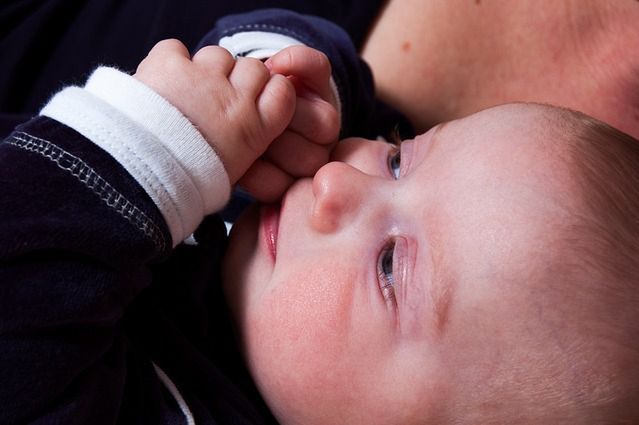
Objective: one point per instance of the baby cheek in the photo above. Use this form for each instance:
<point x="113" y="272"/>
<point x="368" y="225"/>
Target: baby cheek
<point x="298" y="335"/>
<point x="306" y="309"/>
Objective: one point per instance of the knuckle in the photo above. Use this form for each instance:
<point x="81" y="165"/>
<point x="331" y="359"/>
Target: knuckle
<point x="296" y="155"/>
<point x="322" y="63"/>
<point x="309" y="164"/>
<point x="282" y="88"/>
<point x="168" y="43"/>
<point x="215" y="53"/>
<point x="280" y="92"/>
<point x="312" y="58"/>
<point x="254" y="66"/>
<point x="251" y="136"/>
<point x="250" y="62"/>
<point x="169" y="47"/>
<point x="173" y="65"/>
<point x="285" y="57"/>
<point x="264" y="185"/>
<point x="325" y="127"/>
<point x="165" y="50"/>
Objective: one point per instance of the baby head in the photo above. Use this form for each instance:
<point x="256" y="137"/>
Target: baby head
<point x="484" y="272"/>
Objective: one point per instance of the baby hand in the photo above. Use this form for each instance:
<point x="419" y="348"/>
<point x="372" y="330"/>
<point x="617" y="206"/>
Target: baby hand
<point x="306" y="143"/>
<point x="237" y="105"/>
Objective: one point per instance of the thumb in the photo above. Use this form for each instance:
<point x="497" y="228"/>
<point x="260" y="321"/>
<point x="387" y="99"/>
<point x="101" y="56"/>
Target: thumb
<point x="309" y="67"/>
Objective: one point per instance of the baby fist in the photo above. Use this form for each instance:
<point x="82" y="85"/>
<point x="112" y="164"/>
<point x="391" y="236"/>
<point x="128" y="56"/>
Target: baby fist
<point x="237" y="105"/>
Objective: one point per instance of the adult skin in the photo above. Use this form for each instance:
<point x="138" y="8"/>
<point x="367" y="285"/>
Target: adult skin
<point x="440" y="60"/>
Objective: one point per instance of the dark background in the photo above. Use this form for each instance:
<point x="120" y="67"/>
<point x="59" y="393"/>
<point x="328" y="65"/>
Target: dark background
<point x="46" y="44"/>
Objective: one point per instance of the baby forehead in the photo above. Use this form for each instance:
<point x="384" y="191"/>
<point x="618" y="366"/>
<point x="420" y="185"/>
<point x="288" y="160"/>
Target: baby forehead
<point x="512" y="144"/>
<point x="518" y="124"/>
<point x="496" y="184"/>
<point x="514" y="147"/>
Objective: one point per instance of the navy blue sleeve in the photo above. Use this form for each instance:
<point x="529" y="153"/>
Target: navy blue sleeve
<point x="75" y="233"/>
<point x="48" y="44"/>
<point x="352" y="75"/>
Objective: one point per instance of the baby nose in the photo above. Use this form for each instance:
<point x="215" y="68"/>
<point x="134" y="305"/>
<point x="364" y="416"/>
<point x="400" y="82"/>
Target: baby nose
<point x="338" y="189"/>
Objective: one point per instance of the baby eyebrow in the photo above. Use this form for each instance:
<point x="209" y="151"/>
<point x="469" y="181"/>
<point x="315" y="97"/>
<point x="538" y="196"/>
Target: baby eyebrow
<point x="441" y="287"/>
<point x="441" y="295"/>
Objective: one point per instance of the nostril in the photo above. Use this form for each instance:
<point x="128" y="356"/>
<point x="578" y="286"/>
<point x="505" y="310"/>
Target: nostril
<point x="332" y="192"/>
<point x="325" y="215"/>
<point x="332" y="179"/>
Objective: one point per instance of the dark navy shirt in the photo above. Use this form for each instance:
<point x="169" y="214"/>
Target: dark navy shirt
<point x="45" y="44"/>
<point x="100" y="320"/>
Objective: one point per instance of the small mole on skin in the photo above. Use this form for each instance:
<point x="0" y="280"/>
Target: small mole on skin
<point x="406" y="46"/>
<point x="477" y="2"/>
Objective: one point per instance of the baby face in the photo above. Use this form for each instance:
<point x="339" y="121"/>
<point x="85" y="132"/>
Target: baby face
<point x="370" y="292"/>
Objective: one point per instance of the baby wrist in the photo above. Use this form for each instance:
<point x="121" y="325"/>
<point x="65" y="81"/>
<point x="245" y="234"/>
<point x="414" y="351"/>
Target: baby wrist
<point x="152" y="140"/>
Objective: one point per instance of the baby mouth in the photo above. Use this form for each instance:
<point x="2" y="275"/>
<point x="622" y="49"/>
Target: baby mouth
<point x="270" y="215"/>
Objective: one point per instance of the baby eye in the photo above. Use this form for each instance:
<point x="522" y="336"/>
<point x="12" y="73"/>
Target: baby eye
<point x="385" y="272"/>
<point x="395" y="162"/>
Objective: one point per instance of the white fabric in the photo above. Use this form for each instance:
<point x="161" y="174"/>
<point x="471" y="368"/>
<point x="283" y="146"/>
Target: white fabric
<point x="172" y="129"/>
<point x="263" y="45"/>
<point x="257" y="44"/>
<point x="170" y="386"/>
<point x="156" y="144"/>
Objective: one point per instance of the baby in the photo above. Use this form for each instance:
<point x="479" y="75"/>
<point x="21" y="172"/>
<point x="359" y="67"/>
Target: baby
<point x="490" y="276"/>
<point x="483" y="272"/>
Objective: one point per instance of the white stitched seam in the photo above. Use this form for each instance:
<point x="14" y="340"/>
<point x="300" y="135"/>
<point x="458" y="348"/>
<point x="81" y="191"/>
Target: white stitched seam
<point x="264" y="27"/>
<point x="147" y="170"/>
<point x="92" y="180"/>
<point x="170" y="386"/>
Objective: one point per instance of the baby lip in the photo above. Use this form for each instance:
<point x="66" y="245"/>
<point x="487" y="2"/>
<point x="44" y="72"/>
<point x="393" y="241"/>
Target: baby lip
<point x="271" y="220"/>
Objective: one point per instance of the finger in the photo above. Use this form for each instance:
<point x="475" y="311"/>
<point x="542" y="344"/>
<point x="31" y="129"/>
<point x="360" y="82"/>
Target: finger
<point x="165" y="60"/>
<point x="249" y="76"/>
<point x="310" y="66"/>
<point x="164" y="55"/>
<point x="170" y="46"/>
<point x="276" y="105"/>
<point x="315" y="119"/>
<point x="216" y="59"/>
<point x="296" y="155"/>
<point x="258" y="122"/>
<point x="265" y="181"/>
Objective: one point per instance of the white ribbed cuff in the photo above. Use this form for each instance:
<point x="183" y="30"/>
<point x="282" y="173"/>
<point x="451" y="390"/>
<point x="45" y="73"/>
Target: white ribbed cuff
<point x="187" y="145"/>
<point x="152" y="140"/>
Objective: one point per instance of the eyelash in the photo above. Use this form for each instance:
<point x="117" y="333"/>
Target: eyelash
<point x="395" y="160"/>
<point x="394" y="138"/>
<point x="387" y="278"/>
<point x="394" y="156"/>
